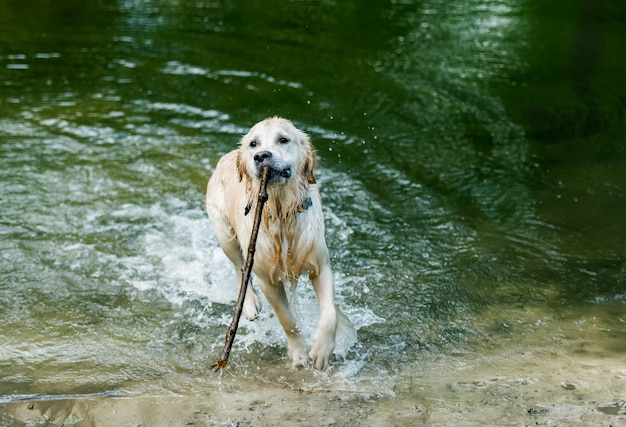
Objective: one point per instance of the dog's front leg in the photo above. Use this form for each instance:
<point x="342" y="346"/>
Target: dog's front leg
<point x="276" y="296"/>
<point x="324" y="339"/>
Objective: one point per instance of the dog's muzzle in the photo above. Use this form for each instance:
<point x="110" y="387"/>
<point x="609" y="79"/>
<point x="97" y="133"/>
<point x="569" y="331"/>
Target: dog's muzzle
<point x="266" y="158"/>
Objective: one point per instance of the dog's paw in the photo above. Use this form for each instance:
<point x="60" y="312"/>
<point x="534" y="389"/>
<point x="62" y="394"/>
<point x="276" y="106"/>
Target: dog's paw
<point x="321" y="351"/>
<point x="251" y="305"/>
<point x="297" y="352"/>
<point x="299" y="359"/>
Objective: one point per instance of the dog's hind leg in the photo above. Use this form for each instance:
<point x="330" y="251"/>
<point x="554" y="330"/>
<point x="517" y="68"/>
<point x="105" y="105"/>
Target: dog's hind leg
<point x="230" y="246"/>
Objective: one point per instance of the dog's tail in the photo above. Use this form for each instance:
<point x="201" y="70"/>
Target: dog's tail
<point x="346" y="334"/>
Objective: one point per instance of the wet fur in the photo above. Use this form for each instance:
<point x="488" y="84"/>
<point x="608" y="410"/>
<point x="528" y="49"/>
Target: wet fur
<point x="291" y="237"/>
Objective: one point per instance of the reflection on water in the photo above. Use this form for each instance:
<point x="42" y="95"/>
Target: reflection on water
<point x="459" y="223"/>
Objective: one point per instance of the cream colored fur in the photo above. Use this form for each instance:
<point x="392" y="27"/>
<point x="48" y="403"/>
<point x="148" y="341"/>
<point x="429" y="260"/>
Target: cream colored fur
<point x="291" y="238"/>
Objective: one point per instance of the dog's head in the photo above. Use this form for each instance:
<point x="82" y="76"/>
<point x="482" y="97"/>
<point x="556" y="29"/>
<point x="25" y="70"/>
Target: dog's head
<point x="277" y="143"/>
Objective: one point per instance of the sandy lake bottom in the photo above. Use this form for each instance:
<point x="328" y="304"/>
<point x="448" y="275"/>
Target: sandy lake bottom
<point x="571" y="383"/>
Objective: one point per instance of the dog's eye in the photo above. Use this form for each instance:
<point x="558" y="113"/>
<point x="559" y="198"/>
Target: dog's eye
<point x="283" y="140"/>
<point x="253" y="143"/>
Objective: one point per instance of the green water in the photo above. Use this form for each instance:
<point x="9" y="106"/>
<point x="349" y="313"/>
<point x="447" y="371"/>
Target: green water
<point x="472" y="164"/>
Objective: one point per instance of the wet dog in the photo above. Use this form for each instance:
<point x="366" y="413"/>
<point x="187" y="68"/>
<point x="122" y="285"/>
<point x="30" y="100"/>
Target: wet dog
<point x="291" y="238"/>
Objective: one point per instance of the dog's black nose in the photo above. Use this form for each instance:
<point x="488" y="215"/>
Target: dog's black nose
<point x="262" y="156"/>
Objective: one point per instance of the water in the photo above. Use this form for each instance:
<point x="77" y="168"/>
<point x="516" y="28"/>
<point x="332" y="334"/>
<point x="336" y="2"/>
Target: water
<point x="471" y="164"/>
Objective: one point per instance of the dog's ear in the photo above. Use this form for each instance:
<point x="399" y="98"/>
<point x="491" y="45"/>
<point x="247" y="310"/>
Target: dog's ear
<point x="310" y="160"/>
<point x="241" y="171"/>
<point x="241" y="167"/>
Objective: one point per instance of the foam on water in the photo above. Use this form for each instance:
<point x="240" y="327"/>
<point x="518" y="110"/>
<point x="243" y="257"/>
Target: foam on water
<point x="184" y="263"/>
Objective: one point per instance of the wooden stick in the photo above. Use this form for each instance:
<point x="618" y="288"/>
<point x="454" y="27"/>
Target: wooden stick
<point x="245" y="278"/>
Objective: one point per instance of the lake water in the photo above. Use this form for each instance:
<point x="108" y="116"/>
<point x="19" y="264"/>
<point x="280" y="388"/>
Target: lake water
<point x="471" y="160"/>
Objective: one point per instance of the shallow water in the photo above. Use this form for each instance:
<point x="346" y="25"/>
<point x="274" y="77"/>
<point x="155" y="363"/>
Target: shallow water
<point x="471" y="163"/>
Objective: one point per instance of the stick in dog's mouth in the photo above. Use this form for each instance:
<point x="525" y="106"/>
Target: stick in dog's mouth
<point x="275" y="174"/>
<point x="221" y="363"/>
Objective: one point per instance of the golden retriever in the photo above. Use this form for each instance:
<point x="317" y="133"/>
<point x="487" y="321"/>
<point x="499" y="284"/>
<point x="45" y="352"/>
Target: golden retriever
<point x="291" y="236"/>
